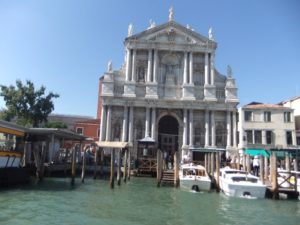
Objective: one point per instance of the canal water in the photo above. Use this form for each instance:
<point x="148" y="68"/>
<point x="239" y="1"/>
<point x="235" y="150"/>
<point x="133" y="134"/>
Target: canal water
<point x="138" y="201"/>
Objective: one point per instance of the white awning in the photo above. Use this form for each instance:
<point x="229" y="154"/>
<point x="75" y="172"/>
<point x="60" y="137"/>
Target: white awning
<point x="113" y="144"/>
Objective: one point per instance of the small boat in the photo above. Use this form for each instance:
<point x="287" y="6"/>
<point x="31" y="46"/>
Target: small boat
<point x="238" y="183"/>
<point x="194" y="178"/>
<point x="10" y="159"/>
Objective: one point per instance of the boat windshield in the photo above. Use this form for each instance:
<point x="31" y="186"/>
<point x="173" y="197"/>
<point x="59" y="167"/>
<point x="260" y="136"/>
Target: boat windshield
<point x="247" y="179"/>
<point x="197" y="172"/>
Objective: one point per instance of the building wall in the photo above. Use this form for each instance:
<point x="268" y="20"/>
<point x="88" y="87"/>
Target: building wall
<point x="277" y="125"/>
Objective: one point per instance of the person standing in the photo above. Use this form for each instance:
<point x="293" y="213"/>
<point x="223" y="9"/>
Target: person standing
<point x="256" y="165"/>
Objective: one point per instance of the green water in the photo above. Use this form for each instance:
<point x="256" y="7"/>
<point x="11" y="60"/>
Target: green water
<point x="139" y="201"/>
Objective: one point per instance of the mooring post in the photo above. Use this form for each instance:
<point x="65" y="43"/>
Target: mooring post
<point x="73" y="174"/>
<point x="205" y="162"/>
<point x="125" y="165"/>
<point x="119" y="167"/>
<point x="248" y="163"/>
<point x="101" y="162"/>
<point x="112" y="168"/>
<point x="213" y="167"/>
<point x="287" y="162"/>
<point x="261" y="168"/>
<point x="129" y="165"/>
<point x="244" y="162"/>
<point x="217" y="171"/>
<point x="274" y="176"/>
<point x="208" y="163"/>
<point x="266" y="168"/>
<point x="83" y="166"/>
<point x="238" y="165"/>
<point x="176" y="170"/>
<point x="158" y="167"/>
<point x="95" y="162"/>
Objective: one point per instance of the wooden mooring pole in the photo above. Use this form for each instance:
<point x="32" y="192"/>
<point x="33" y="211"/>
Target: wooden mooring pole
<point x="119" y="167"/>
<point x="261" y="168"/>
<point x="129" y="165"/>
<point x="158" y="167"/>
<point x="83" y="166"/>
<point x="274" y="181"/>
<point x="73" y="166"/>
<point x="176" y="169"/>
<point x="125" y="165"/>
<point x="217" y="172"/>
<point x="95" y="163"/>
<point x="112" y="168"/>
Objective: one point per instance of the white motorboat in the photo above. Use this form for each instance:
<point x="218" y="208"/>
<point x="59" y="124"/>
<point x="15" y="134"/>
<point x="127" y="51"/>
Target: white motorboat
<point x="194" y="177"/>
<point x="239" y="183"/>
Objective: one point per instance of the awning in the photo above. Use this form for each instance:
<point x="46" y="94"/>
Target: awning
<point x="205" y="150"/>
<point x="113" y="144"/>
<point x="254" y="152"/>
<point x="12" y="128"/>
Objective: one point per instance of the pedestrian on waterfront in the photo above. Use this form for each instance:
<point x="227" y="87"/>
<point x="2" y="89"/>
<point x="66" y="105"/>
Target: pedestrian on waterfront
<point x="256" y="165"/>
<point x="165" y="160"/>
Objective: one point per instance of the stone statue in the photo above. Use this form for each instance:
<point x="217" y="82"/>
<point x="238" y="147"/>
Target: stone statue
<point x="210" y="34"/>
<point x="152" y="24"/>
<point x="171" y="14"/>
<point x="130" y="30"/>
<point x="229" y="71"/>
<point x="109" y="66"/>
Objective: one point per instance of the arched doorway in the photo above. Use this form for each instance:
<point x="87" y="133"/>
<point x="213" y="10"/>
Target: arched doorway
<point x="168" y="130"/>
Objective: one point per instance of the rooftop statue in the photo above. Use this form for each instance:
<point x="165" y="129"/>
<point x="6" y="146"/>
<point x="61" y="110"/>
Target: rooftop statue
<point x="109" y="66"/>
<point x="171" y="14"/>
<point x="229" y="71"/>
<point x="210" y="34"/>
<point x="130" y="30"/>
<point x="152" y="24"/>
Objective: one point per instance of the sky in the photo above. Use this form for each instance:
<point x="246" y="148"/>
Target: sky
<point x="65" y="45"/>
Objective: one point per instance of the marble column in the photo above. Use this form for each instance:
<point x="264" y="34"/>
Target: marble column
<point x="103" y="123"/>
<point x="149" y="69"/>
<point x="206" y="128"/>
<point x="228" y="129"/>
<point x="185" y="70"/>
<point x="206" y="77"/>
<point x="133" y="78"/>
<point x="155" y="66"/>
<point x="153" y="122"/>
<point x="234" y="129"/>
<point x="130" y="124"/>
<point x="128" y="64"/>
<point x="147" y="122"/>
<point x="125" y="122"/>
<point x="185" y="126"/>
<point x="108" y="124"/>
<point x="191" y="81"/>
<point x="213" y="129"/>
<point x="191" y="122"/>
<point x="212" y="69"/>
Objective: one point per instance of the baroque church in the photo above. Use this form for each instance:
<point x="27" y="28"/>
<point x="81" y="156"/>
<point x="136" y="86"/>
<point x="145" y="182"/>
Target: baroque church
<point x="169" y="90"/>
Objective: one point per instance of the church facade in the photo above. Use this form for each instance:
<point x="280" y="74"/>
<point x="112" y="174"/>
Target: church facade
<point x="169" y="89"/>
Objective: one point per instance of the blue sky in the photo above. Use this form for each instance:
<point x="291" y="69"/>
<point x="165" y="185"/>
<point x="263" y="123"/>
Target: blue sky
<point x="66" y="44"/>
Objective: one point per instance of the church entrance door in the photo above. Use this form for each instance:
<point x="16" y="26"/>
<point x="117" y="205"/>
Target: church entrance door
<point x="168" y="129"/>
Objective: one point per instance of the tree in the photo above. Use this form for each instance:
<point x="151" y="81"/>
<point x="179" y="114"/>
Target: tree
<point x="56" y="124"/>
<point x="30" y="106"/>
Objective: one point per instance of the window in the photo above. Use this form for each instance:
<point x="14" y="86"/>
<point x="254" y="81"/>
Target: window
<point x="248" y="116"/>
<point x="267" y="116"/>
<point x="287" y="117"/>
<point x="289" y="139"/>
<point x="249" y="136"/>
<point x="79" y="130"/>
<point x="268" y="137"/>
<point x="257" y="136"/>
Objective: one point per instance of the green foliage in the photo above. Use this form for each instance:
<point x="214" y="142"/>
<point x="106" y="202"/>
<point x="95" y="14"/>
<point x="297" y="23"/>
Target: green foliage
<point x="30" y="106"/>
<point x="56" y="124"/>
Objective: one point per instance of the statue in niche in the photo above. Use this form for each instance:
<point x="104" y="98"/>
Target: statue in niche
<point x="170" y="62"/>
<point x="141" y="74"/>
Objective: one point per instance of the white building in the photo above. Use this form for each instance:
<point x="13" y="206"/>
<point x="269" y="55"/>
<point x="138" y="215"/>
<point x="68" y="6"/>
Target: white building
<point x="294" y="103"/>
<point x="266" y="126"/>
<point x="170" y="90"/>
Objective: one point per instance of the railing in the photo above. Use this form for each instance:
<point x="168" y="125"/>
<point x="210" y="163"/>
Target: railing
<point x="147" y="164"/>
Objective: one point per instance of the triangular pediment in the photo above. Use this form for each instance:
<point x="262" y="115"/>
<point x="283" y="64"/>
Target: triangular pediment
<point x="170" y="32"/>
